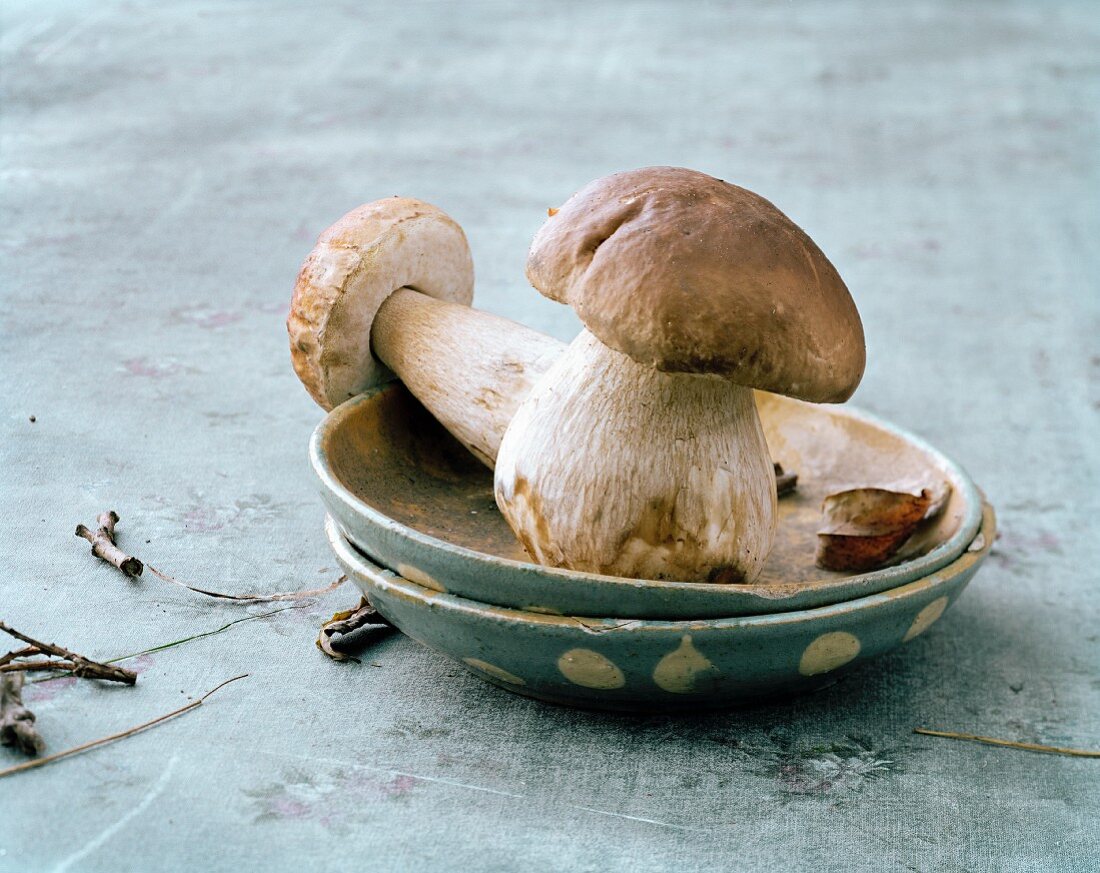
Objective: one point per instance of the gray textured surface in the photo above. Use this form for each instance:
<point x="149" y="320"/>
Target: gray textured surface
<point x="164" y="172"/>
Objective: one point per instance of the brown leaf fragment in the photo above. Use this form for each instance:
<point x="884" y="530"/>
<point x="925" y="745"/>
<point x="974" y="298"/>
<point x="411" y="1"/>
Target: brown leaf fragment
<point x="863" y="528"/>
<point x="843" y="552"/>
<point x="330" y="639"/>
<point x="16" y="721"/>
<point x="872" y="511"/>
<point x="785" y="482"/>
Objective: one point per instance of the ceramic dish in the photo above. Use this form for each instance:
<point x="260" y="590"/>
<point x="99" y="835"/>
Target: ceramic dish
<point x="406" y="493"/>
<point x="613" y="663"/>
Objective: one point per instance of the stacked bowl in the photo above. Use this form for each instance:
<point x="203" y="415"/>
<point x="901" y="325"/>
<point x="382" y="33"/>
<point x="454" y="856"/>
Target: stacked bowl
<point x="413" y="521"/>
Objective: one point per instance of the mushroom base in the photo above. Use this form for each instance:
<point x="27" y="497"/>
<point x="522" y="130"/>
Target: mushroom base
<point x="613" y="467"/>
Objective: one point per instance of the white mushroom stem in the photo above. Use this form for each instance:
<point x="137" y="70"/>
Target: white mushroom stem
<point x="613" y="467"/>
<point x="469" y="368"/>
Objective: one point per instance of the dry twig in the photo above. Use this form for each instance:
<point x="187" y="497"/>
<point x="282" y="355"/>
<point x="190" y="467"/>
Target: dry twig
<point x="36" y="666"/>
<point x="104" y="547"/>
<point x="71" y="662"/>
<point x="364" y="615"/>
<point x="129" y="732"/>
<point x="16" y="721"/>
<point x="1011" y="744"/>
<point x="28" y="652"/>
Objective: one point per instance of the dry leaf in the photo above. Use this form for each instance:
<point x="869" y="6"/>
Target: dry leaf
<point x="863" y="528"/>
<point x="344" y="623"/>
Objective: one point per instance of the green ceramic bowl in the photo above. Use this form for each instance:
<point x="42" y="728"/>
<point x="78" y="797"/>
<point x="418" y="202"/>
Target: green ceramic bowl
<point x="614" y="663"/>
<point x="410" y="496"/>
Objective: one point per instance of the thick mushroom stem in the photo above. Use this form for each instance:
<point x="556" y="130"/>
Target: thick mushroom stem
<point x="613" y="467"/>
<point x="469" y="368"/>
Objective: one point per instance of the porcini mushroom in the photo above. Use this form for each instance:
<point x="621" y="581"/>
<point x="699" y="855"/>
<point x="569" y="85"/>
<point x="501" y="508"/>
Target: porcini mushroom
<point x="389" y="286"/>
<point x="640" y="453"/>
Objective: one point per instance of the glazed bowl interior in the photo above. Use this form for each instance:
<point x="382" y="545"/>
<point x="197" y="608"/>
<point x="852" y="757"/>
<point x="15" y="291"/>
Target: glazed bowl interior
<point x="409" y="495"/>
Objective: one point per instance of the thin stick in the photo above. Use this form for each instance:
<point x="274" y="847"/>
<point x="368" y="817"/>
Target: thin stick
<point x="36" y="666"/>
<point x="19" y="653"/>
<point x="1011" y="744"/>
<point x="104" y="547"/>
<point x="249" y="598"/>
<point x="189" y="639"/>
<point x="129" y="732"/>
<point x="199" y="636"/>
<point x="82" y="666"/>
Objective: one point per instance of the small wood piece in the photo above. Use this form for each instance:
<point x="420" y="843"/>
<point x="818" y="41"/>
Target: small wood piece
<point x="28" y="652"/>
<point x="71" y="662"/>
<point x="104" y="547"/>
<point x="16" y="721"/>
<point x="785" y="481"/>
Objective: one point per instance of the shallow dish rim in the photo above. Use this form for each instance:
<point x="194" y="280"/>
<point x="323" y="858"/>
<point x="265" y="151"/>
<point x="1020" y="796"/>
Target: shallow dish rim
<point x="940" y="556"/>
<point x="359" y="566"/>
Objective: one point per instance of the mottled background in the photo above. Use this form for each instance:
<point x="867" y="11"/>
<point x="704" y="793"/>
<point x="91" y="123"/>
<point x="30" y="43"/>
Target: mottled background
<point x="165" y="170"/>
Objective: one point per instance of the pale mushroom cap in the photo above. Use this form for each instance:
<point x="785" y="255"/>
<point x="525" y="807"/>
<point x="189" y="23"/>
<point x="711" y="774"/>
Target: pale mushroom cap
<point x="687" y="273"/>
<point x="357" y="263"/>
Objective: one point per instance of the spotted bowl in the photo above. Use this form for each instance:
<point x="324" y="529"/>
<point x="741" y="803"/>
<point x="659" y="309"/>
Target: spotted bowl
<point x="410" y="496"/>
<point x="639" y="664"/>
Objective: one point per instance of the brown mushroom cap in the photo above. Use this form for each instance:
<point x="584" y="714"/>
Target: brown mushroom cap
<point x="687" y="273"/>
